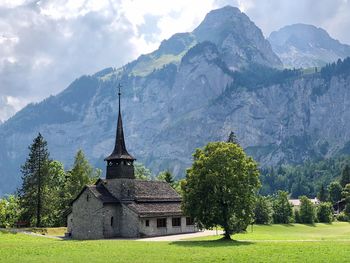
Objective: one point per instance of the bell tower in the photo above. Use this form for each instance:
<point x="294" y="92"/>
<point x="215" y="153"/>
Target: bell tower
<point x="120" y="164"/>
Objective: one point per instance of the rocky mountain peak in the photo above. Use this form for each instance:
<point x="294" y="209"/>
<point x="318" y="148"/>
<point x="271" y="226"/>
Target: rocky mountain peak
<point x="302" y="45"/>
<point x="237" y="37"/>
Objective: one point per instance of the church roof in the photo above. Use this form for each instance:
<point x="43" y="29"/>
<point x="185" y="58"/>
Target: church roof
<point x="119" y="151"/>
<point x="155" y="191"/>
<point x="150" y="209"/>
<point x="101" y="193"/>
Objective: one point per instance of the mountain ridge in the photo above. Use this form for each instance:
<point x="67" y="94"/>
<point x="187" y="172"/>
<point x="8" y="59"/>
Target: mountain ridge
<point x="173" y="104"/>
<point x="303" y="45"/>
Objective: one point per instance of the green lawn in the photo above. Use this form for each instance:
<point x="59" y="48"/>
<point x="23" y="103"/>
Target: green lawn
<point x="277" y="243"/>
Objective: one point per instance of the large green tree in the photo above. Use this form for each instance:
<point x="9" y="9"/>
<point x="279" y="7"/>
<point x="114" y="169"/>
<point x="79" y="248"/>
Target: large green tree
<point x="221" y="187"/>
<point x="34" y="179"/>
<point x="282" y="209"/>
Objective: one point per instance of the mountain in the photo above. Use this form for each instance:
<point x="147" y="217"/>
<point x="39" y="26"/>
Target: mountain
<point x="304" y="46"/>
<point x="184" y="95"/>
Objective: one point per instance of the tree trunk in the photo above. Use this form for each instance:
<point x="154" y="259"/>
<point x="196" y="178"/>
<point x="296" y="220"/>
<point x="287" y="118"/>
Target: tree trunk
<point x="38" y="210"/>
<point x="227" y="235"/>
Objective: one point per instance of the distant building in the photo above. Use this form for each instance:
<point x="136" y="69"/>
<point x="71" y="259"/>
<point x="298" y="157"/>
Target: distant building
<point x="296" y="202"/>
<point x="122" y="206"/>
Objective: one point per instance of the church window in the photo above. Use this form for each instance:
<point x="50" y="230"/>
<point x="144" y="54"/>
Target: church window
<point x="189" y="221"/>
<point x="112" y="221"/>
<point x="147" y="222"/>
<point x="176" y="221"/>
<point x="161" y="222"/>
<point x="87" y="197"/>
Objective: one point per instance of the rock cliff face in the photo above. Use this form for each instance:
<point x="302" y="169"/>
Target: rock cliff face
<point x="182" y="96"/>
<point x="304" y="46"/>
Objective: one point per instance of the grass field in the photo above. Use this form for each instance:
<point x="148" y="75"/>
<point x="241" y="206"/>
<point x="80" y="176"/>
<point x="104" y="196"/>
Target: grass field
<point x="277" y="243"/>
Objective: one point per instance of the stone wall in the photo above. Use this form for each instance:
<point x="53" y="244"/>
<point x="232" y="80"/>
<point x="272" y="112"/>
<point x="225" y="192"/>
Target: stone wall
<point x="153" y="230"/>
<point x="111" y="227"/>
<point x="87" y="217"/>
<point x="129" y="223"/>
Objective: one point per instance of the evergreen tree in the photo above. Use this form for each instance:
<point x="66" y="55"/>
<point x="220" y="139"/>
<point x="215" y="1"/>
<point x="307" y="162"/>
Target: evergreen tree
<point x="282" y="209"/>
<point x="322" y="194"/>
<point x="81" y="174"/>
<point x="307" y="211"/>
<point x="335" y="190"/>
<point x="232" y="138"/>
<point x="166" y="176"/>
<point x="34" y="177"/>
<point x="345" y="176"/>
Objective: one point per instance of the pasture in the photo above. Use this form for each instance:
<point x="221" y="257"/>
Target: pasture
<point x="275" y="243"/>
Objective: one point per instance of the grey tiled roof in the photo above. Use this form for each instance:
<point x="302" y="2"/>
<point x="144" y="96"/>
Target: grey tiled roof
<point x="101" y="193"/>
<point x="150" y="209"/>
<point x="155" y="191"/>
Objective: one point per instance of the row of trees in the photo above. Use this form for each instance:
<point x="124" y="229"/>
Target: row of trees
<point x="277" y="209"/>
<point x="305" y="179"/>
<point x="47" y="189"/>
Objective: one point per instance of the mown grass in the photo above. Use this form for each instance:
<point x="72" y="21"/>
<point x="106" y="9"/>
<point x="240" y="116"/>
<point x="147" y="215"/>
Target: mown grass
<point x="264" y="244"/>
<point x="50" y="231"/>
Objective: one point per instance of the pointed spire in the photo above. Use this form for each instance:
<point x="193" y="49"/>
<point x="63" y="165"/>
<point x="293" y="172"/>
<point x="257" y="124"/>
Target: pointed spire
<point x="119" y="151"/>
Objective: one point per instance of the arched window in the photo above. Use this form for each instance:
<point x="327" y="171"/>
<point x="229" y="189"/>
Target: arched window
<point x="112" y="221"/>
<point x="87" y="197"/>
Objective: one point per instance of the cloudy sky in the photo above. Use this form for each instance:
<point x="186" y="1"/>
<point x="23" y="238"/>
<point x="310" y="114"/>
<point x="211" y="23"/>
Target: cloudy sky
<point x="45" y="45"/>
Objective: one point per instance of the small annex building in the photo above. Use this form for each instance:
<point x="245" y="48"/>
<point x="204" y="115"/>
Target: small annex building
<point x="122" y="206"/>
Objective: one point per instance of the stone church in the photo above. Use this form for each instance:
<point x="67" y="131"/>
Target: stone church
<point x="122" y="206"/>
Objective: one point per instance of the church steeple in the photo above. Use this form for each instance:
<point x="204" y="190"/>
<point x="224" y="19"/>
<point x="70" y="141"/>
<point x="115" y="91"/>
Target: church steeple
<point x="120" y="162"/>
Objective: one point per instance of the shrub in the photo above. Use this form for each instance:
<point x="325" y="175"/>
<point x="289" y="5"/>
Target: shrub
<point x="343" y="217"/>
<point x="297" y="218"/>
<point x="325" y="212"/>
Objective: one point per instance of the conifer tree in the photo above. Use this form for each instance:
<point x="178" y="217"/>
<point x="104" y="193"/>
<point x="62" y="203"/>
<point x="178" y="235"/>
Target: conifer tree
<point x="335" y="190"/>
<point x="232" y="138"/>
<point x="322" y="194"/>
<point x="345" y="176"/>
<point x="34" y="177"/>
<point x="81" y="174"/>
<point x="166" y="176"/>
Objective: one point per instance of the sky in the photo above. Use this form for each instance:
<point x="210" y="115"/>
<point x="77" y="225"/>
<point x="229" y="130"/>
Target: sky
<point x="45" y="45"/>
